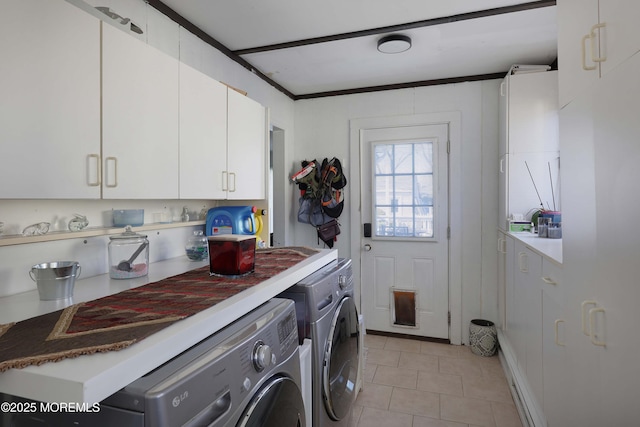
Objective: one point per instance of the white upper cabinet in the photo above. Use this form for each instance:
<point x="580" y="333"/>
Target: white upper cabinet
<point x="50" y="102"/>
<point x="594" y="37"/>
<point x="246" y="148"/>
<point x="203" y="136"/>
<point x="140" y="119"/>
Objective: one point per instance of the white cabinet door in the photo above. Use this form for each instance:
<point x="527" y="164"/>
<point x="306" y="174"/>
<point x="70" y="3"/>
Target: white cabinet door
<point x="615" y="284"/>
<point x="139" y="119"/>
<point x="203" y="135"/>
<point x="50" y="102"/>
<point x="246" y="148"/>
<point x="594" y="37"/>
<point x="554" y="346"/>
<point x="620" y="38"/>
<point x="505" y="281"/>
<point x="533" y="112"/>
<point x="600" y="133"/>
<point x="577" y="71"/>
<point x="529" y="302"/>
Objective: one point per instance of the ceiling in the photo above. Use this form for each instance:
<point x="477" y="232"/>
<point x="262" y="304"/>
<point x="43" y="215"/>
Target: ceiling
<point x="310" y="49"/>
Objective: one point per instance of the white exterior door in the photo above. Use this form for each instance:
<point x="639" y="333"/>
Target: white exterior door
<point x="404" y="203"/>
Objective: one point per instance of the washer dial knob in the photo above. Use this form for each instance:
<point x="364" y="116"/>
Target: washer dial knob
<point x="342" y="281"/>
<point x="262" y="356"/>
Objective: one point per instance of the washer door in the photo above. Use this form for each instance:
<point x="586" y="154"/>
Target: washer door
<point x="277" y="404"/>
<point x="341" y="360"/>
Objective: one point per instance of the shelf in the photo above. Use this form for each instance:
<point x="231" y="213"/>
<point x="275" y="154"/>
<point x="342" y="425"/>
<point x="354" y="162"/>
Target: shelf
<point x="89" y="232"/>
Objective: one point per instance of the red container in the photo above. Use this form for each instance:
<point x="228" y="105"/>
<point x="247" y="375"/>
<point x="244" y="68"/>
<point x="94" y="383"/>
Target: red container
<point x="231" y="254"/>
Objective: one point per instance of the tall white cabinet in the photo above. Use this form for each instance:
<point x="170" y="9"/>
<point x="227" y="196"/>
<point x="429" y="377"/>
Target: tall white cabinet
<point x="50" y="101"/>
<point x="600" y="266"/>
<point x="528" y="144"/>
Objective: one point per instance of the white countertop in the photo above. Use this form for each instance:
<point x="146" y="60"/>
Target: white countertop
<point x="550" y="248"/>
<point x="90" y="379"/>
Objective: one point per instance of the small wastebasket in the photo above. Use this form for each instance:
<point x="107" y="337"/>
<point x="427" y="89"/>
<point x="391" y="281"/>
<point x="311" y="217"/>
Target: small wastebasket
<point x="483" y="337"/>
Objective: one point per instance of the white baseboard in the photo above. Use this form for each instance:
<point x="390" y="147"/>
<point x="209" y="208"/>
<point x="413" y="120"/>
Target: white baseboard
<point x="529" y="409"/>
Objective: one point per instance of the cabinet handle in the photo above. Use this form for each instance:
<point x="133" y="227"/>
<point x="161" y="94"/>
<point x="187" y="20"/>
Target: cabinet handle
<point x="233" y="174"/>
<point x="592" y="35"/>
<point x="225" y="181"/>
<point x="584" y="53"/>
<point x="502" y="243"/>
<point x="522" y="261"/>
<point x="502" y="169"/>
<point x="583" y="317"/>
<point x="115" y="171"/>
<point x="549" y="281"/>
<point x="592" y="326"/>
<point x="555" y="327"/>
<point x="503" y="92"/>
<point x="96" y="182"/>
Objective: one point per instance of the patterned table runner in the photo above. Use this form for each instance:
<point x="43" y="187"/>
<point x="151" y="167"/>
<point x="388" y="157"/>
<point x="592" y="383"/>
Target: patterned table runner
<point x="120" y="320"/>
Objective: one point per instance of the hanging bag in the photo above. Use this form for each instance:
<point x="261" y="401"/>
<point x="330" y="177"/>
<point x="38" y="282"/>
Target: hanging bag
<point x="328" y="232"/>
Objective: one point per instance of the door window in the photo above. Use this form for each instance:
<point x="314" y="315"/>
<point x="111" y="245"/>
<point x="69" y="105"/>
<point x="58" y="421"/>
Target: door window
<point x="403" y="196"/>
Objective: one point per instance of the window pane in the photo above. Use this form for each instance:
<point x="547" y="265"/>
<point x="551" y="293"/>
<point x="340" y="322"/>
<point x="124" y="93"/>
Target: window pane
<point x="403" y="158"/>
<point x="383" y="158"/>
<point x="403" y="190"/>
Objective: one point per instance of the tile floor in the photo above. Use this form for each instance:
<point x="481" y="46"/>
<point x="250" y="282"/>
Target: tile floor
<point x="410" y="383"/>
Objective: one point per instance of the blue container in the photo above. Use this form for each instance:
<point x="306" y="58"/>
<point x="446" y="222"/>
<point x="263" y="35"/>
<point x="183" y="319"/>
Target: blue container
<point x="231" y="220"/>
<point x="554" y="216"/>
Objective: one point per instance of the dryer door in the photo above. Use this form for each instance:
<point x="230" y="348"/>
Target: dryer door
<point x="341" y="360"/>
<point x="277" y="404"/>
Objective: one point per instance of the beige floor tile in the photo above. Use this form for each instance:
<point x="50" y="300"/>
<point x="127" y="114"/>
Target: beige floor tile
<point x="487" y="387"/>
<point x="460" y="366"/>
<point x="369" y="372"/>
<point x="415" y="402"/>
<point x="432" y="422"/>
<point x="355" y="415"/>
<point x="419" y="362"/>
<point x="440" y="383"/>
<point x="374" y="341"/>
<point x="506" y="415"/>
<point x="378" y="356"/>
<point x="371" y="417"/>
<point x="438" y="349"/>
<point x="402" y="344"/>
<point x="466" y="410"/>
<point x="374" y="396"/>
<point x="397" y="377"/>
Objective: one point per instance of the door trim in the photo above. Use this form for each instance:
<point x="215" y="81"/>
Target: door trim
<point x="453" y="119"/>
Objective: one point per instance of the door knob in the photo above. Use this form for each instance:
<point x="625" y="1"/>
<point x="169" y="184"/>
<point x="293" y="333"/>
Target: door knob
<point x="367" y="247"/>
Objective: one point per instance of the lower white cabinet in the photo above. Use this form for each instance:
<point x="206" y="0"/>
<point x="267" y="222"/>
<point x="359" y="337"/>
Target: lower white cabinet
<point x="534" y="330"/>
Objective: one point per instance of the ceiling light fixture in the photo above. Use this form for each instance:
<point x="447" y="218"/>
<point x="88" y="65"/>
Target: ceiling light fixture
<point x="394" y="43"/>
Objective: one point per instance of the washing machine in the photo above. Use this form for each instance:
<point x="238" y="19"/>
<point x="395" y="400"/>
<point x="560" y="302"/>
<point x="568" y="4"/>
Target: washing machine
<point x="246" y="375"/>
<point x="326" y="313"/>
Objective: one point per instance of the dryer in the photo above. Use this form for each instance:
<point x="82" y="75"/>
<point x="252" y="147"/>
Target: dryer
<point x="246" y="375"/>
<point x="326" y="313"/>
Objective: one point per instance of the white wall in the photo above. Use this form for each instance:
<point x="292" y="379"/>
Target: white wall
<point x="322" y="130"/>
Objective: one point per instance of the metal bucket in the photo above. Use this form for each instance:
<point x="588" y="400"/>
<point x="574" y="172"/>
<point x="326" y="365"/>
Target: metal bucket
<point x="55" y="280"/>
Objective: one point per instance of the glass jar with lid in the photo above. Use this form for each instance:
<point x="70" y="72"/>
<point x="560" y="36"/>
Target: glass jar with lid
<point x="128" y="255"/>
<point x="197" y="246"/>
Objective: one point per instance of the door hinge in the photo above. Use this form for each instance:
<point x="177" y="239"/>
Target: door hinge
<point x="449" y="318"/>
